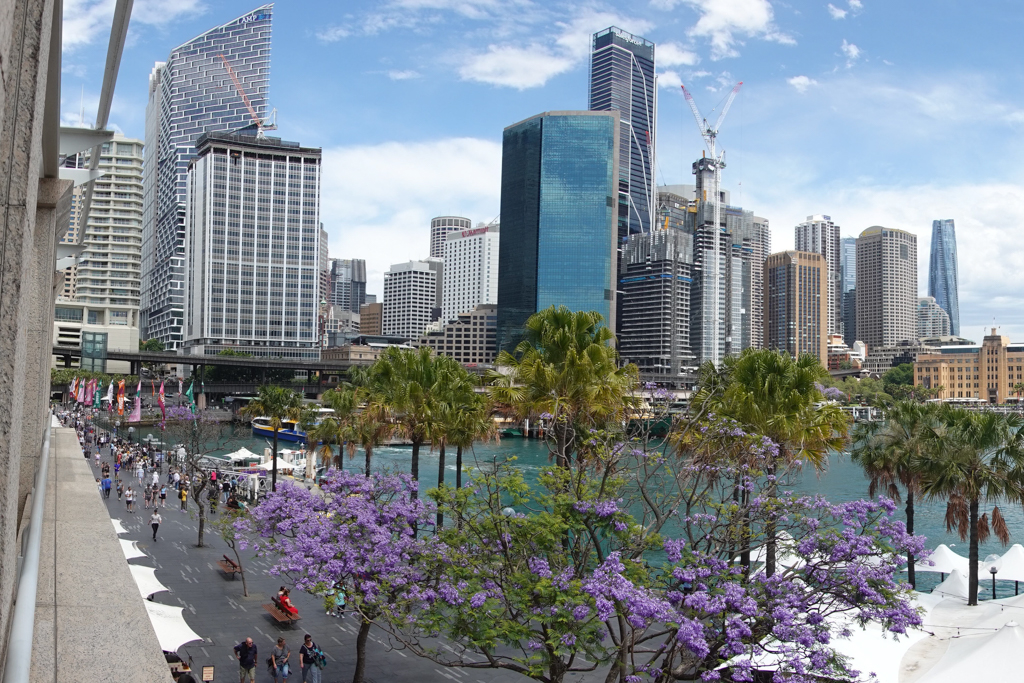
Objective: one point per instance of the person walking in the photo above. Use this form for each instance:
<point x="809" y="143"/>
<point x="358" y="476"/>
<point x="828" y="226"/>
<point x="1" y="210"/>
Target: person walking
<point x="106" y="486"/>
<point x="129" y="498"/>
<point x="245" y="653"/>
<point x="279" y="661"/>
<point x="156" y="478"/>
<point x="310" y="660"/>
<point x="183" y="497"/>
<point x="154" y="521"/>
<point x="163" y="496"/>
<point x="120" y="489"/>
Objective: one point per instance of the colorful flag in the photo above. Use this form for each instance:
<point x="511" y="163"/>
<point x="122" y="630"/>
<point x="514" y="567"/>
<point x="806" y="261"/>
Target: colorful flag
<point x="74" y="387"/>
<point x="160" y="400"/>
<point x="136" y="415"/>
<point x="191" y="400"/>
<point x="120" y="397"/>
<point x="96" y="394"/>
<point x="81" y="391"/>
<point x="109" y="398"/>
<point x="89" y="387"/>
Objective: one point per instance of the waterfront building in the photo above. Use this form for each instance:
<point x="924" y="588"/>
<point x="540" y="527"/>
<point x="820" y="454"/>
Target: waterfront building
<point x="654" y="287"/>
<point x="819" y="234"/>
<point x="932" y="321"/>
<point x="440" y="227"/>
<point x="796" y="304"/>
<point x="847" y="287"/>
<point x="559" y="180"/>
<point x="253" y="267"/>
<point x="410" y="297"/>
<point x="886" y="286"/>
<point x="470" y="338"/>
<point x="988" y="372"/>
<point x="470" y="270"/>
<point x="347" y="284"/>
<point x="943" y="281"/>
<point x="622" y="79"/>
<point x="371" y="318"/>
<point x="191" y="94"/>
<point x="841" y="356"/>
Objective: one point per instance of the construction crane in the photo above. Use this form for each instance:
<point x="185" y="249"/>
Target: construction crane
<point x="710" y="135"/>
<point x="269" y="123"/>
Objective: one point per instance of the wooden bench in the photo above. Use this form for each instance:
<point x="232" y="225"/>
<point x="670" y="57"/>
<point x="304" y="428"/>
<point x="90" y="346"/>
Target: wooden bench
<point x="229" y="566"/>
<point x="280" y="615"/>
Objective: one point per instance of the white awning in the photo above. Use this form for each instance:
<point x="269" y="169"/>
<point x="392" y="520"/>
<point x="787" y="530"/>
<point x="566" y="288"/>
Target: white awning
<point x="118" y="529"/>
<point x="1011" y="564"/>
<point x="145" y="578"/>
<point x="943" y="560"/>
<point x="994" y="656"/>
<point x="241" y="454"/>
<point x="130" y="550"/>
<point x="171" y="629"/>
<point x="955" y="586"/>
<point x="281" y="465"/>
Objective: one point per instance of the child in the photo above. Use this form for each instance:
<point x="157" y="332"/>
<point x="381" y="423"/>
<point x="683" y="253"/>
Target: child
<point x="163" y="496"/>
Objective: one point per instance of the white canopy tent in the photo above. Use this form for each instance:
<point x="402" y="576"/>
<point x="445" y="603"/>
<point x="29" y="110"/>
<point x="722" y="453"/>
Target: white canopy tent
<point x="942" y="560"/>
<point x="281" y="465"/>
<point x="242" y="454"/>
<point x="994" y="656"/>
<point x="955" y="586"/>
<point x="118" y="528"/>
<point x="1011" y="565"/>
<point x="145" y="578"/>
<point x="171" y="629"/>
<point x="130" y="550"/>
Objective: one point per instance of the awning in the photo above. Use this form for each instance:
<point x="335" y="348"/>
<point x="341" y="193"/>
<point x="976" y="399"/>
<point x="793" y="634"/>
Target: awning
<point x="943" y="560"/>
<point x="994" y="656"/>
<point x="145" y="578"/>
<point x="281" y="465"/>
<point x="955" y="586"/>
<point x="130" y="550"/>
<point x="241" y="454"/>
<point x="171" y="629"/>
<point x="1011" y="564"/>
<point x="118" y="529"/>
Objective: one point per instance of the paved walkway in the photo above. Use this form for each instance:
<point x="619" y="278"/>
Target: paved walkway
<point x="216" y="609"/>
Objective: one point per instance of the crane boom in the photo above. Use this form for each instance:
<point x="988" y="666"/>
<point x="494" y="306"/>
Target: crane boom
<point x="245" y="98"/>
<point x="728" y="103"/>
<point x="702" y="123"/>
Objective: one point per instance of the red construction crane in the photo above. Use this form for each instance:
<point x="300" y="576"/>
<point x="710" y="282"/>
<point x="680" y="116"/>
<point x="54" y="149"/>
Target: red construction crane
<point x="261" y="124"/>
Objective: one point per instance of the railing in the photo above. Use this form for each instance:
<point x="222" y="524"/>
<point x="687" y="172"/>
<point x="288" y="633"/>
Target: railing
<point x="19" y="646"/>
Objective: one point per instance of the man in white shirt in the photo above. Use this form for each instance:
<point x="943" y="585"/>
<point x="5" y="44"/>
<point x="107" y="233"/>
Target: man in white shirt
<point x="154" y="521"/>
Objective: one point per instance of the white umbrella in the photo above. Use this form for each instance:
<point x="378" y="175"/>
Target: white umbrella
<point x="145" y="578"/>
<point x="171" y="629"/>
<point x="281" y="465"/>
<point x="955" y="586"/>
<point x="117" y="526"/>
<point x="943" y="560"/>
<point x="993" y="657"/>
<point x="130" y="550"/>
<point x="1011" y="564"/>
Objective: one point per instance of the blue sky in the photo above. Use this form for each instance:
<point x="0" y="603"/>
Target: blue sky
<point x="876" y="113"/>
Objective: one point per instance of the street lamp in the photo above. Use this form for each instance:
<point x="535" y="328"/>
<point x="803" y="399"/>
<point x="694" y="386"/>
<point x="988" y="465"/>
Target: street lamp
<point x="131" y="431"/>
<point x="992" y="570"/>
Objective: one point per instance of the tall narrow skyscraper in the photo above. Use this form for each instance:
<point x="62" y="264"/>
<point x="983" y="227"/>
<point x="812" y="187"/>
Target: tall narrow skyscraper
<point x="942" y="274"/>
<point x="818" y="234"/>
<point x="847" y="287"/>
<point x="796" y="303"/>
<point x="191" y="94"/>
<point x="886" y="286"/>
<point x="622" y="79"/>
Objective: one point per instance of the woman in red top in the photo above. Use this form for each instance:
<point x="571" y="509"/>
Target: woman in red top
<point x="286" y="603"/>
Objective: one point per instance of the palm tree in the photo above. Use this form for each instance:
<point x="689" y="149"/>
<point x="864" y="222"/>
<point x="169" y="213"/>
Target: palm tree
<point x="455" y="402"/>
<point x="769" y="393"/>
<point x="891" y="452"/>
<point x="277" y="404"/>
<point x="325" y="431"/>
<point x="566" y="371"/>
<point x="371" y="426"/>
<point x="975" y="456"/>
<point x="1018" y="389"/>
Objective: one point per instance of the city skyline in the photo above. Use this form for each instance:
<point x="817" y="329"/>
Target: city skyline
<point x="826" y="96"/>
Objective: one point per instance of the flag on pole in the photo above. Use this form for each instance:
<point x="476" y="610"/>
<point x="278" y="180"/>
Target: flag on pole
<point x="160" y="400"/>
<point x="152" y="385"/>
<point x="191" y="400"/>
<point x="96" y="394"/>
<point x="136" y="415"/>
<point x="81" y="391"/>
<point x="73" y="390"/>
<point x="90" y="386"/>
<point x="109" y="398"/>
<point x="120" y="397"/>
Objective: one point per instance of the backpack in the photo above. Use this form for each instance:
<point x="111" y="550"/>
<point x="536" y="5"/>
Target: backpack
<point x="319" y="658"/>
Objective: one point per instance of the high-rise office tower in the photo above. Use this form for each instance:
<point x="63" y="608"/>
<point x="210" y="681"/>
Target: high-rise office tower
<point x="253" y="266"/>
<point x="932" y="320"/>
<point x="348" y="283"/>
<point x="439" y="229"/>
<point x="191" y="94"/>
<point x="751" y="243"/>
<point x="559" y="180"/>
<point x="410" y="297"/>
<point x="325" y="267"/>
<point x="818" y="234"/>
<point x="796" y="303"/>
<point x="942" y="274"/>
<point x="847" y="284"/>
<point x="886" y="286"/>
<point x="654" y="285"/>
<point x="622" y="79"/>
<point x="470" y="270"/>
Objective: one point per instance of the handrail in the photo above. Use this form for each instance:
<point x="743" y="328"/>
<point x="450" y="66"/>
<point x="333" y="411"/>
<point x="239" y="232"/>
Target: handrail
<point x="18" y="666"/>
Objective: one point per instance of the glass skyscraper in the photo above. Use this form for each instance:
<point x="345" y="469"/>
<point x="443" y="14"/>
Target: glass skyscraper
<point x="847" y="287"/>
<point x="942" y="277"/>
<point x="559" y="180"/>
<point x="191" y="94"/>
<point x="622" y="79"/>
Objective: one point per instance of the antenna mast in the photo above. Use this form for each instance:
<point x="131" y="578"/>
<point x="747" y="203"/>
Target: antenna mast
<point x="710" y="134"/>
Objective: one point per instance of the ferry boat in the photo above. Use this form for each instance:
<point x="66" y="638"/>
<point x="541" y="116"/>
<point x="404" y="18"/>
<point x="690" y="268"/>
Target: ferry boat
<point x="289" y="428"/>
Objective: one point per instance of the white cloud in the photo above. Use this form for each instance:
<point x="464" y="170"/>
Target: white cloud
<point x="454" y="176"/>
<point x="836" y="12"/>
<point x="856" y="5"/>
<point x="669" y="79"/>
<point x="396" y="75"/>
<point x="851" y="51"/>
<point x="726" y="22"/>
<point x="801" y="83"/>
<point x="332" y="34"/>
<point x="86" y="21"/>
<point x="673" y="54"/>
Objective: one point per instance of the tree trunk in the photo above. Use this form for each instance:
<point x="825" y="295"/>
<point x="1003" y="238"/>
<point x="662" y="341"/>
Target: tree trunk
<point x="241" y="570"/>
<point x="415" y="467"/>
<point x="364" y="631"/>
<point x="972" y="558"/>
<point x="202" y="518"/>
<point x="273" y="465"/>
<point x="769" y="531"/>
<point x="911" y="575"/>
<point x="458" y="467"/>
<point x="369" y="457"/>
<point x="440" y="483"/>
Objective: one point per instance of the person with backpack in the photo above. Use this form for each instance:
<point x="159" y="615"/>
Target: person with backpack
<point x="311" y="660"/>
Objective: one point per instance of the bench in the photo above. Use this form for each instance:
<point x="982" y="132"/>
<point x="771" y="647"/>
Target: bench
<point x="280" y="615"/>
<point x="229" y="566"/>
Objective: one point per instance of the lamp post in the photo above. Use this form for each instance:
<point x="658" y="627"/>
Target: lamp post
<point x="992" y="570"/>
<point x="131" y="431"/>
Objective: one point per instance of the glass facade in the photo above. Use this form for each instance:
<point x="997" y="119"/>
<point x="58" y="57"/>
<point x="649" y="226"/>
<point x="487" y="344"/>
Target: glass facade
<point x="942" y="275"/>
<point x="847" y="285"/>
<point x="191" y="94"/>
<point x="558" y="224"/>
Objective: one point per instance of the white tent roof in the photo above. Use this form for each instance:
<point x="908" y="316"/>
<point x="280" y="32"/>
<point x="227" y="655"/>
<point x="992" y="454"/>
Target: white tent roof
<point x="130" y="550"/>
<point x="241" y="454"/>
<point x="943" y="560"/>
<point x="990" y="657"/>
<point x="1011" y="564"/>
<point x="171" y="629"/>
<point x="145" y="578"/>
<point x="117" y="526"/>
<point x="955" y="586"/>
<point x="873" y="649"/>
<point x="281" y="465"/>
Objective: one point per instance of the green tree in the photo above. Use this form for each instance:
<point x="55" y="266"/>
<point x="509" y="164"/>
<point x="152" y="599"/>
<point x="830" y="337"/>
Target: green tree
<point x="277" y="404"/>
<point x="325" y="431"/>
<point x="154" y="345"/>
<point x="371" y="426"/>
<point x="456" y="397"/>
<point x="898" y="376"/>
<point x="975" y="455"/>
<point x="565" y="371"/>
<point x="891" y="454"/>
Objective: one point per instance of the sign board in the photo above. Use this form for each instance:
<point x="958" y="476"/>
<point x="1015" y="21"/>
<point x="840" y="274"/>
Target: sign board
<point x="207" y="673"/>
